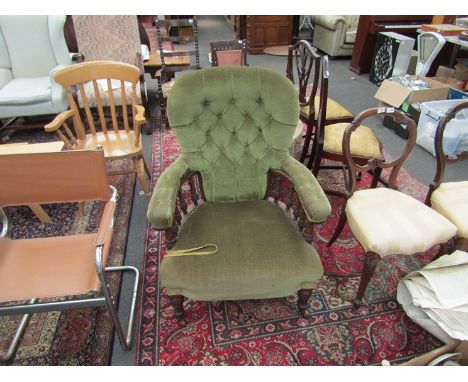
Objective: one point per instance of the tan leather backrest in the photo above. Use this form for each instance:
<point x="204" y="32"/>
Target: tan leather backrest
<point x="58" y="177"/>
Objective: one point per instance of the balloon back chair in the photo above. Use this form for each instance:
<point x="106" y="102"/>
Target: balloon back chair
<point x="304" y="67"/>
<point x="234" y="126"/>
<point x="59" y="272"/>
<point x="449" y="198"/>
<point x="383" y="220"/>
<point x="119" y="137"/>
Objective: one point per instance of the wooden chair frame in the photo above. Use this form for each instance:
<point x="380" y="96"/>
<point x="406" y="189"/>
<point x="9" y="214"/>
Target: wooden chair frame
<point x="103" y="239"/>
<point x="317" y="152"/>
<point x="304" y="60"/>
<point x="73" y="79"/>
<point x="288" y="199"/>
<point x="376" y="165"/>
<point x="221" y="46"/>
<point x="442" y="159"/>
<point x="167" y="72"/>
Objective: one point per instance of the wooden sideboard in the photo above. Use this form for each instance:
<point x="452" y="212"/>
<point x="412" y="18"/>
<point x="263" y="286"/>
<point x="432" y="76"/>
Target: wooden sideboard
<point x="264" y="31"/>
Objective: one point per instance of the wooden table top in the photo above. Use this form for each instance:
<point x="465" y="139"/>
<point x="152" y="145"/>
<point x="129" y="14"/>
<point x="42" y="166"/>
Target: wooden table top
<point x="30" y="148"/>
<point x="155" y="60"/>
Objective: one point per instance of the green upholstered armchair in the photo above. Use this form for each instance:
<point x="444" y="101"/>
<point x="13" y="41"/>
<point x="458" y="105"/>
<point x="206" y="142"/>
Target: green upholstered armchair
<point x="234" y="126"/>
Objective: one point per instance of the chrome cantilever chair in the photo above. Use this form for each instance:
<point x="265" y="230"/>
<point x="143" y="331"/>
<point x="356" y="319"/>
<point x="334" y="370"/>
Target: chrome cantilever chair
<point x="450" y="199"/>
<point x="383" y="220"/>
<point x="234" y="125"/>
<point x="43" y="270"/>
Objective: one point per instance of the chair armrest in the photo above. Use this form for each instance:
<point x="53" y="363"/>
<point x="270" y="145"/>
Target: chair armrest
<point x="162" y="205"/>
<point x="58" y="121"/>
<point x="311" y="195"/>
<point x="328" y="21"/>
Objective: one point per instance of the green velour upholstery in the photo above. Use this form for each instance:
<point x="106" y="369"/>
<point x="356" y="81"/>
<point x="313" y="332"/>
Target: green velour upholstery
<point x="261" y="254"/>
<point x="234" y="125"/>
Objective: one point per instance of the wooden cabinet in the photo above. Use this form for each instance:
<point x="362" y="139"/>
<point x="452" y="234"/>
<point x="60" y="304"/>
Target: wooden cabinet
<point x="265" y="31"/>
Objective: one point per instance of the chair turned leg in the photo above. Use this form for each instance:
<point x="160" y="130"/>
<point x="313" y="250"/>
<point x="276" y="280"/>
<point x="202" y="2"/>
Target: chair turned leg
<point x="138" y="164"/>
<point x="177" y="301"/>
<point x="339" y="226"/>
<point x="303" y="300"/>
<point x="306" y="144"/>
<point x="372" y="259"/>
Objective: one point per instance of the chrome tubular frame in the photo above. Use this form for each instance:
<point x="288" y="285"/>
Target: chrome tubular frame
<point x="4" y="223"/>
<point x="125" y="341"/>
<point x="107" y="300"/>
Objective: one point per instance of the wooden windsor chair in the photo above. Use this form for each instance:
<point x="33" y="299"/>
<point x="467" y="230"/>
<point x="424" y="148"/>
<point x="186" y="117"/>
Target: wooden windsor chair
<point x="119" y="137"/>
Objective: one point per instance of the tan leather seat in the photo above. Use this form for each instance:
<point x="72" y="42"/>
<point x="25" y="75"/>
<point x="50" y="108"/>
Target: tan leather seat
<point x="47" y="267"/>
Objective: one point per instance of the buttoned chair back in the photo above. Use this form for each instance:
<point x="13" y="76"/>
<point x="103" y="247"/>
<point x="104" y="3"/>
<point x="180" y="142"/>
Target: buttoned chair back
<point x="235" y="129"/>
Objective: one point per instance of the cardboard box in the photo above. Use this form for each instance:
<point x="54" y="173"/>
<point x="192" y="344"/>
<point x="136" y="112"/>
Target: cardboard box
<point x="393" y="94"/>
<point x="452" y="82"/>
<point x="458" y="72"/>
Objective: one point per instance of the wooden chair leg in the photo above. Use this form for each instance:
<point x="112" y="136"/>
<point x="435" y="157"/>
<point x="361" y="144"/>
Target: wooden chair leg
<point x="139" y="167"/>
<point x="40" y="213"/>
<point x="303" y="300"/>
<point x="147" y="170"/>
<point x="177" y="301"/>
<point x="372" y="259"/>
<point x="446" y="248"/>
<point x="305" y="146"/>
<point x="339" y="226"/>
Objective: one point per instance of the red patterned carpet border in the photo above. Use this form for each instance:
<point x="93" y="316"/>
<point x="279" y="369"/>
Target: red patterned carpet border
<point x="73" y="337"/>
<point x="270" y="332"/>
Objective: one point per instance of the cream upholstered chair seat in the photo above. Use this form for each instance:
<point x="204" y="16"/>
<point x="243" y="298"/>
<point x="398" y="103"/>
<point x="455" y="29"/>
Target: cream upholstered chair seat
<point x="388" y="222"/>
<point x="451" y="200"/>
<point x="363" y="141"/>
<point x="334" y="109"/>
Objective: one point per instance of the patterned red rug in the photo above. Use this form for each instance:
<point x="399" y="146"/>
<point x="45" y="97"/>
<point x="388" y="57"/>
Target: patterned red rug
<point x="74" y="337"/>
<point x="270" y="332"/>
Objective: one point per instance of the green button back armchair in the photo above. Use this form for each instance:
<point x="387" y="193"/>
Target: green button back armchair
<point x="234" y="126"/>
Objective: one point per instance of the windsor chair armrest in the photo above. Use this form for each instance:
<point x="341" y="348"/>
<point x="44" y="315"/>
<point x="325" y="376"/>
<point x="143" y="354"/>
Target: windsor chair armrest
<point x="140" y="114"/>
<point x="58" y="121"/>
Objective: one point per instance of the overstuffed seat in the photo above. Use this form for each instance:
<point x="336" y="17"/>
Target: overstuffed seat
<point x="450" y="199"/>
<point x="32" y="48"/>
<point x="234" y="126"/>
